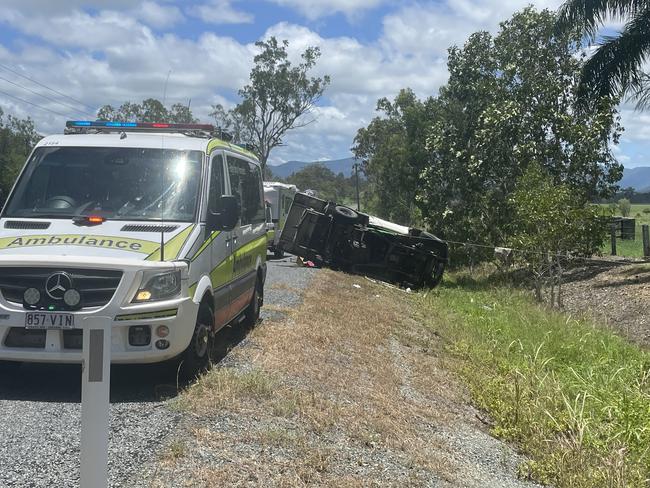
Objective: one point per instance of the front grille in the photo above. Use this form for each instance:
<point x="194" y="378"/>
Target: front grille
<point x="21" y="337"/>
<point x="148" y="228"/>
<point x="96" y="286"/>
<point x="72" y="339"/>
<point x="26" y="224"/>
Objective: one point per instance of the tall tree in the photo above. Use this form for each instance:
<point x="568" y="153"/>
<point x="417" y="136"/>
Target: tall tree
<point x="510" y="102"/>
<point x="394" y="154"/>
<point x="17" y="139"/>
<point x="616" y="68"/>
<point x="150" y="110"/>
<point x="276" y="100"/>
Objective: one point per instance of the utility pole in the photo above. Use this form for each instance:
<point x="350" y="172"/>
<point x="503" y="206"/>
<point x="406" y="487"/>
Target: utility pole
<point x="356" y="172"/>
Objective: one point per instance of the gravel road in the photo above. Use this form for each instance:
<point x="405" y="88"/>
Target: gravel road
<point x="41" y="412"/>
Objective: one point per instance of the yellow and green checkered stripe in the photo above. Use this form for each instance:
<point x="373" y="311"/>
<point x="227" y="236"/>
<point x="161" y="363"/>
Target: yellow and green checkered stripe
<point x="222" y="274"/>
<point x="173" y="246"/>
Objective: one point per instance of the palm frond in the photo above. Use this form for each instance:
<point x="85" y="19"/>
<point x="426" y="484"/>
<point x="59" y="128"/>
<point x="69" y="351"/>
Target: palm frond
<point x="640" y="92"/>
<point x="588" y="15"/>
<point x="616" y="67"/>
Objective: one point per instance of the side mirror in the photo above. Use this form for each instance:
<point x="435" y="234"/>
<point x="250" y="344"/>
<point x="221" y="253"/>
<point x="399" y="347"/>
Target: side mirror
<point x="226" y="216"/>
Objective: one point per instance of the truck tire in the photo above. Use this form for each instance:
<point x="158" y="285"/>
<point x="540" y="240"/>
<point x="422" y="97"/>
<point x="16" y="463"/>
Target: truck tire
<point x="252" y="314"/>
<point x="436" y="274"/>
<point x="278" y="253"/>
<point x="196" y="358"/>
<point x="344" y="215"/>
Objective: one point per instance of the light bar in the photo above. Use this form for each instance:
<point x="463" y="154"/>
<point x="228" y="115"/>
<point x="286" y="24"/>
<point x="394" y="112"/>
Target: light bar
<point x="71" y="124"/>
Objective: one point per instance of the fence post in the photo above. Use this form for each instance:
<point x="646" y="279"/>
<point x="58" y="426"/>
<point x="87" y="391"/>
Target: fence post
<point x="646" y="240"/>
<point x="612" y="234"/>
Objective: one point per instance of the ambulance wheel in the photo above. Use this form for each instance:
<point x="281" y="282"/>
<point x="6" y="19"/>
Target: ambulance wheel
<point x="344" y="214"/>
<point x="252" y="314"/>
<point x="196" y="358"/>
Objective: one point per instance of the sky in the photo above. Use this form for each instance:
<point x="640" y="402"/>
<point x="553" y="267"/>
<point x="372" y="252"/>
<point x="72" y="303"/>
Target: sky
<point x="97" y="52"/>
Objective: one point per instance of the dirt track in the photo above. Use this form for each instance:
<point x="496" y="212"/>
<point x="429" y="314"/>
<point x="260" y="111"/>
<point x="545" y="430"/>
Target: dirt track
<point x="345" y="389"/>
<point x="616" y="295"/>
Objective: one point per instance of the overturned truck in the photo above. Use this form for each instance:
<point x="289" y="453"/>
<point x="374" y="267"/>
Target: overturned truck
<point x="339" y="237"/>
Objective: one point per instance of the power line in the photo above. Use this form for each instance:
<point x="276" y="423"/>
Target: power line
<point x="47" y="87"/>
<point x="35" y="105"/>
<point x="76" y="109"/>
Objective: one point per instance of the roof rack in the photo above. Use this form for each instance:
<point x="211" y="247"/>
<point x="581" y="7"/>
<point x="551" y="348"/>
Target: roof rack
<point x="100" y="126"/>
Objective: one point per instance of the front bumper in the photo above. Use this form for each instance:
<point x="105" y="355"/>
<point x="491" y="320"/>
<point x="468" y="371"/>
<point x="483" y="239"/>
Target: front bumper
<point x="59" y="346"/>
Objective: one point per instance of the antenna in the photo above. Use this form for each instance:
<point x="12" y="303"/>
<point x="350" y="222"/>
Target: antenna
<point x="162" y="179"/>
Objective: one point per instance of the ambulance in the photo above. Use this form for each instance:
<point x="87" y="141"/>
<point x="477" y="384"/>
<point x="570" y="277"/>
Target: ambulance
<point x="158" y="228"/>
<point x="278" y="197"/>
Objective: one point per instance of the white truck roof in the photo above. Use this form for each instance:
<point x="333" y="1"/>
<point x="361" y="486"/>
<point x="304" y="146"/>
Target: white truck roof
<point x="277" y="184"/>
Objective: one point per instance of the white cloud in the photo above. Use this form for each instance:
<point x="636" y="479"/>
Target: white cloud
<point x="220" y="12"/>
<point x="157" y="15"/>
<point x="435" y="26"/>
<point x="117" y="53"/>
<point x="314" y="9"/>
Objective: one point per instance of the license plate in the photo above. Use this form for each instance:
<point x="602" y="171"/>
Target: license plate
<point x="41" y="320"/>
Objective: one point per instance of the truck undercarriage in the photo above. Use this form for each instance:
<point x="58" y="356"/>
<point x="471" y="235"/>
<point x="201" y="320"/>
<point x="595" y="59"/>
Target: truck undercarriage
<point x="338" y="237"/>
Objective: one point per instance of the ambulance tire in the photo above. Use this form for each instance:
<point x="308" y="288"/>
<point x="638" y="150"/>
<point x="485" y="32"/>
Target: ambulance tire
<point x="196" y="358"/>
<point x="252" y="314"/>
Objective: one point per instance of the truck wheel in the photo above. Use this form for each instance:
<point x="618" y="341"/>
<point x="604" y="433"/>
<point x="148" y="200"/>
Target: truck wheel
<point x="195" y="359"/>
<point x="278" y="253"/>
<point x="436" y="274"/>
<point x="344" y="214"/>
<point x="252" y="314"/>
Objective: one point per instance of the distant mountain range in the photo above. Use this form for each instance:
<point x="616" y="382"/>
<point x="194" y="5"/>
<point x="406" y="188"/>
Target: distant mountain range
<point x="336" y="165"/>
<point x="637" y="178"/>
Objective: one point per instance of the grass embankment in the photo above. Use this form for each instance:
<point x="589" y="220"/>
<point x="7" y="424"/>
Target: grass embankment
<point x="575" y="397"/>
<point x="339" y="394"/>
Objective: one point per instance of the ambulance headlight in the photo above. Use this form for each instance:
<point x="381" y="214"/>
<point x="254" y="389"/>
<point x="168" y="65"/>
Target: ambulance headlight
<point x="159" y="286"/>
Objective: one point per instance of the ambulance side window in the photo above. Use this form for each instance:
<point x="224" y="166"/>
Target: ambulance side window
<point x="246" y="185"/>
<point x="217" y="187"/>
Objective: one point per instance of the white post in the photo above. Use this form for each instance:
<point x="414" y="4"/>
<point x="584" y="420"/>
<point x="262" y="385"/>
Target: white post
<point x="95" y="394"/>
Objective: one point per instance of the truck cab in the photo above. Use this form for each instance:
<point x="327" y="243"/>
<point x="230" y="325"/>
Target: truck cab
<point x="279" y="197"/>
<point x="158" y="227"/>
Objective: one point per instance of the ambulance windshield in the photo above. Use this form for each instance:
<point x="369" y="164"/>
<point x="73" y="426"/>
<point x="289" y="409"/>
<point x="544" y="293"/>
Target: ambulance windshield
<point x="114" y="183"/>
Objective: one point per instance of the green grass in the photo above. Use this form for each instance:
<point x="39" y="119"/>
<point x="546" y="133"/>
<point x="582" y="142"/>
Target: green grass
<point x="631" y="248"/>
<point x="573" y="396"/>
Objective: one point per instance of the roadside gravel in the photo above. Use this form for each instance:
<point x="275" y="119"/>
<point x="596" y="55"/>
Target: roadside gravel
<point x="41" y="412"/>
<point x="320" y="398"/>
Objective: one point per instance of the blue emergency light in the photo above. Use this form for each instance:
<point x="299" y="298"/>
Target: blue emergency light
<point x="71" y="124"/>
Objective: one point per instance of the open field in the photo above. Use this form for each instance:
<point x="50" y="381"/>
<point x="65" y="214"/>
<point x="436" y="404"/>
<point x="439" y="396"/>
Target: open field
<point x="629" y="248"/>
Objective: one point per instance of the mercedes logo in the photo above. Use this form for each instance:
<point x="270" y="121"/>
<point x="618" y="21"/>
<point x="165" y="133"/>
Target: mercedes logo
<point x="56" y="285"/>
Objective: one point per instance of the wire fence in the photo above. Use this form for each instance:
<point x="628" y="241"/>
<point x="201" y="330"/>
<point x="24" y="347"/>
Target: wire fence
<point x="567" y="256"/>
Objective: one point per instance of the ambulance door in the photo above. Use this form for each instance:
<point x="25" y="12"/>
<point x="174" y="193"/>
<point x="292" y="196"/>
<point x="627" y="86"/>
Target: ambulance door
<point x="220" y="244"/>
<point x="249" y="238"/>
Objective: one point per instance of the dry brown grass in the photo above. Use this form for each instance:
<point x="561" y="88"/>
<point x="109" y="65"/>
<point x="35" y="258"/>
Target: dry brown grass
<point x="349" y="378"/>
